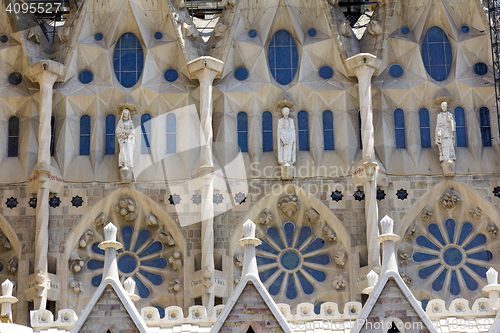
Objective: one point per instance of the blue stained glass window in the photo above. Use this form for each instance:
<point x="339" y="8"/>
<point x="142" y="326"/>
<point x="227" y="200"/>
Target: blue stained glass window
<point x="161" y="311"/>
<point x="252" y="33"/>
<point x="85" y="135"/>
<point x="450" y="225"/>
<point x="275" y="236"/>
<point x="460" y="127"/>
<point x="110" y="137"/>
<point x="425" y="128"/>
<point x="359" y="127"/>
<point x="156" y="279"/>
<point x="171" y="133"/>
<point x="303" y="125"/>
<point x="241" y="74"/>
<point x="321" y="259"/>
<point x="420" y="256"/>
<point x="325" y="72"/>
<point x="437" y="54"/>
<point x="96" y="249"/>
<point x="171" y="75"/>
<point x="396" y="70"/>
<point x="4" y="38"/>
<point x="85" y="77"/>
<point x="465" y="29"/>
<point x="13" y="140"/>
<point x="316" y="244"/>
<point x="290" y="260"/>
<point x="467" y="228"/>
<point x="158" y="35"/>
<point x="15" y="78"/>
<point x="479" y="270"/>
<point x="484" y="117"/>
<point x="289" y="229"/>
<point x="438" y="283"/>
<point x="423" y="241"/>
<point x="242" y="125"/>
<point x="480" y="239"/>
<point x="436" y="232"/>
<point x="96" y="280"/>
<point x="266" y="248"/>
<point x="312" y="32"/>
<point x="141" y="287"/>
<point x="425" y="272"/>
<point x="306" y="285"/>
<point x="454" y="286"/>
<point x="146" y="133"/>
<point x="469" y="281"/>
<point x="152" y="248"/>
<point x="317" y="275"/>
<point x="127" y="263"/>
<point x="291" y="290"/>
<point x="405" y="30"/>
<point x="283" y="57"/>
<point x="264" y="260"/>
<point x="483" y="255"/>
<point x="95" y="264"/>
<point x="305" y="232"/>
<point x="480" y="68"/>
<point x="157" y="263"/>
<point x="317" y="308"/>
<point x="128" y="60"/>
<point x="424" y="303"/>
<point x="452" y="256"/>
<point x="267" y="131"/>
<point x="274" y="288"/>
<point x="98" y="36"/>
<point x="141" y="239"/>
<point x="399" y="128"/>
<point x="264" y="275"/>
<point x="328" y="138"/>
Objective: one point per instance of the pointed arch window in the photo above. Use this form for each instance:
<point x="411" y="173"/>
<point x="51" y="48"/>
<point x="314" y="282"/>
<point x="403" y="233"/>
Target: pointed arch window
<point x="110" y="136"/>
<point x="283" y="57"/>
<point x="267" y="131"/>
<point x="84" y="135"/>
<point x="360" y="135"/>
<point x="484" y="118"/>
<point x="460" y="131"/>
<point x="425" y="128"/>
<point x="303" y="123"/>
<point x="171" y="133"/>
<point x="146" y="133"/>
<point x="328" y="130"/>
<point x="399" y="128"/>
<point x="13" y="140"/>
<point x="52" y="135"/>
<point x="242" y="126"/>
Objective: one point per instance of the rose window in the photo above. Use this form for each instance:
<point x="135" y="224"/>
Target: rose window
<point x="140" y="258"/>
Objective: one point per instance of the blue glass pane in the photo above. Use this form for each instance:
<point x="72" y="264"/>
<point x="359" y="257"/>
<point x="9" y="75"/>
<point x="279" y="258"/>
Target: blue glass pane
<point x="264" y="275"/>
<point x="15" y="78"/>
<point x="98" y="36"/>
<point x="171" y="75"/>
<point x="424" y="303"/>
<point x="13" y="126"/>
<point x="469" y="280"/>
<point x="161" y="311"/>
<point x="483" y="255"/>
<point x="454" y="286"/>
<point x="127" y="263"/>
<point x="436" y="232"/>
<point x="327" y="120"/>
<point x="396" y="70"/>
<point x="157" y="263"/>
<point x="290" y="260"/>
<point x="317" y="275"/>
<point x="316" y="244"/>
<point x="480" y="239"/>
<point x="128" y="60"/>
<point x="328" y="137"/>
<point x="96" y="249"/>
<point x="267" y="121"/>
<point x="484" y="117"/>
<point x="424" y="118"/>
<point x="146" y="133"/>
<point x="307" y="287"/>
<point x="242" y="123"/>
<point x="312" y="32"/>
<point x="110" y="134"/>
<point x="423" y="241"/>
<point x="480" y="270"/>
<point x="158" y="35"/>
<point x="425" y="272"/>
<point x="480" y="68"/>
<point x="110" y="124"/>
<point x="252" y="33"/>
<point x="96" y="280"/>
<point x="127" y="236"/>
<point x="452" y="256"/>
<point x="265" y="260"/>
<point x="93" y="264"/>
<point x="291" y="290"/>
<point x="450" y="225"/>
<point x="405" y="30"/>
<point x="425" y="131"/>
<point x="437" y="54"/>
<point x="267" y="131"/>
<point x="242" y="126"/>
<point x="155" y="279"/>
<point x="85" y="145"/>
<point x="171" y="143"/>
<point x="275" y="236"/>
<point x="85" y="77"/>
<point x="438" y="283"/>
<point x="110" y="145"/>
<point x="265" y="247"/>
<point x="141" y="239"/>
<point x="321" y="260"/>
<point x="399" y="128"/>
<point x="326" y="72"/>
<point x="464" y="29"/>
<point x="303" y="125"/>
<point x="289" y="228"/>
<point x="141" y="288"/>
<point x="153" y="248"/>
<point x="274" y="288"/>
<point x="317" y="308"/>
<point x="283" y="57"/>
<point x="85" y="124"/>
<point x="467" y="228"/>
<point x="305" y="232"/>
<point x="171" y="122"/>
<point x="241" y="74"/>
<point x="420" y="256"/>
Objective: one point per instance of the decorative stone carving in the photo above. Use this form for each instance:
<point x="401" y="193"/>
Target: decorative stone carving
<point x="101" y="220"/>
<point x="404" y="257"/>
<point x="76" y="287"/>
<point x="339" y="282"/>
<point x="475" y="212"/>
<point x="286" y="139"/>
<point x="190" y="31"/>
<point x="492" y="230"/>
<point x="374" y="28"/>
<point x="175" y="261"/>
<point x="412" y="233"/>
<point x="460" y="306"/>
<point x="450" y="200"/>
<point x="340" y="259"/>
<point x="407" y="278"/>
<point x="76" y="263"/>
<point x="174" y="286"/>
<point x="166" y="238"/>
<point x="4" y="241"/>
<point x="265" y="217"/>
<point x="126" y="208"/>
<point x="445" y="140"/>
<point x="329" y="234"/>
<point x="345" y="29"/>
<point x="312" y="216"/>
<point x="239" y="259"/>
<point x="426" y="214"/>
<point x="288" y="204"/>
<point x="125" y="134"/>
<point x="86" y="238"/>
<point x="151" y="220"/>
<point x="12" y="265"/>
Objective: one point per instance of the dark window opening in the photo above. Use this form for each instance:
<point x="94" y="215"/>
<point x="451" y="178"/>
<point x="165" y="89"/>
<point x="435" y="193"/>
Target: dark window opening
<point x="393" y="329"/>
<point x="242" y="127"/>
<point x="31" y="307"/>
<point x="52" y="135"/>
<point x="364" y="298"/>
<point x="303" y="130"/>
<point x="267" y="131"/>
<point x="250" y="330"/>
<point x="13" y="140"/>
<point x="218" y="261"/>
<point x="110" y="141"/>
<point x="52" y="265"/>
<point x="198" y="301"/>
<point x="218" y="301"/>
<point x="51" y="306"/>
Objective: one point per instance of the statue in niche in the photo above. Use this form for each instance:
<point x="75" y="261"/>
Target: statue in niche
<point x="445" y="139"/>
<point x="125" y="133"/>
<point x="286" y="139"/>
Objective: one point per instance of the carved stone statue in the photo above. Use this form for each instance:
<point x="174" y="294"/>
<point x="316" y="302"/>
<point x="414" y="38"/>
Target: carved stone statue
<point x="286" y="139"/>
<point x="125" y="133"/>
<point x="445" y="139"/>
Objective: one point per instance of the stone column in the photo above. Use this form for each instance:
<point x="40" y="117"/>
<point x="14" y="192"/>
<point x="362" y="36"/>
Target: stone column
<point x="249" y="242"/>
<point x="46" y="73"/>
<point x="6" y="300"/>
<point x="205" y="69"/>
<point x="364" y="66"/>
<point x="389" y="263"/>
<point x="110" y="245"/>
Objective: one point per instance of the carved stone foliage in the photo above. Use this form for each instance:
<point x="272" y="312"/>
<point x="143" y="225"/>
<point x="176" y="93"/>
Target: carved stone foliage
<point x="86" y="238"/>
<point x="265" y="217"/>
<point x="239" y="259"/>
<point x="126" y="207"/>
<point x="339" y="282"/>
<point x="289" y="204"/>
<point x="450" y="200"/>
<point x="312" y="216"/>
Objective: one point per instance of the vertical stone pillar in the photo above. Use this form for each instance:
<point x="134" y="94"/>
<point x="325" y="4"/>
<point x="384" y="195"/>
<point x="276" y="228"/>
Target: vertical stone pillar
<point x="249" y="242"/>
<point x="205" y="69"/>
<point x="364" y="66"/>
<point x="389" y="263"/>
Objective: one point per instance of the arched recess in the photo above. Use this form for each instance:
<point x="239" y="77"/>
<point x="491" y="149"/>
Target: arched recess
<point x="153" y="253"/>
<point x="448" y="242"/>
<point x="303" y="257"/>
